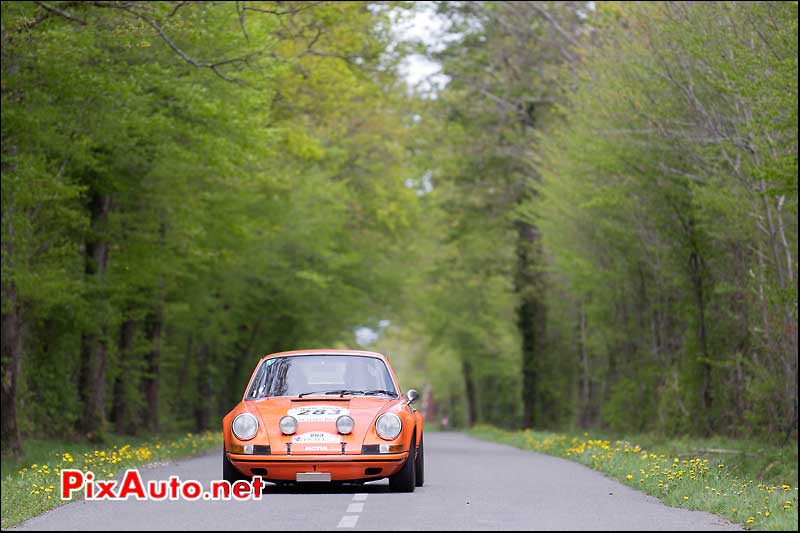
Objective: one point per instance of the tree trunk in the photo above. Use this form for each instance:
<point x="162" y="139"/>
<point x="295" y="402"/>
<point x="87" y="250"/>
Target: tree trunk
<point x="202" y="402"/>
<point x="585" y="413"/>
<point x="120" y="414"/>
<point x="530" y="315"/>
<point x="154" y="325"/>
<point x="11" y="361"/>
<point x="470" y="389"/>
<point x="94" y="348"/>
<point x="790" y="331"/>
<point x="183" y="379"/>
<point x="527" y="314"/>
<point x="92" y="384"/>
<point x="696" y="270"/>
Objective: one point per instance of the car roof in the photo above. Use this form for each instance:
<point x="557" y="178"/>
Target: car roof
<point x="322" y="351"/>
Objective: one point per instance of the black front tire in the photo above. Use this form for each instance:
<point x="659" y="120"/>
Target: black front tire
<point x="405" y="480"/>
<point x="229" y="472"/>
<point x="419" y="464"/>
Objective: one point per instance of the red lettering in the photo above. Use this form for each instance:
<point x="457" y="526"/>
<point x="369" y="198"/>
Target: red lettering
<point x="71" y="480"/>
<point x="155" y="494"/>
<point x="174" y="483"/>
<point x="132" y="484"/>
<point x="191" y="490"/>
<point x="223" y="487"/>
<point x="105" y="491"/>
<point x="241" y="489"/>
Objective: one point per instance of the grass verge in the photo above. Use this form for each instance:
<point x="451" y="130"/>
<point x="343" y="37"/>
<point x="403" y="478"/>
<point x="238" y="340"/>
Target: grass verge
<point x="747" y="483"/>
<point x="30" y="486"/>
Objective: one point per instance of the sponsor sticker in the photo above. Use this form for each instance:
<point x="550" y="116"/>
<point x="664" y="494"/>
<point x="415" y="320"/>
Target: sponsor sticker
<point x="316" y="437"/>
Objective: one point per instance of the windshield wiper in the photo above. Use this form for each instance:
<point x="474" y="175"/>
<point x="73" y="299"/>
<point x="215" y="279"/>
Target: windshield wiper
<point x="340" y="391"/>
<point x="370" y="392"/>
<point x="381" y="391"/>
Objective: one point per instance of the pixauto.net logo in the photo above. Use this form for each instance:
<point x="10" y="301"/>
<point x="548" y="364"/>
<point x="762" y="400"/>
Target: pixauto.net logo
<point x="132" y="486"/>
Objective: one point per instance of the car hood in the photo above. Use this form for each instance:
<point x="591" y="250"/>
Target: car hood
<point x="316" y="416"/>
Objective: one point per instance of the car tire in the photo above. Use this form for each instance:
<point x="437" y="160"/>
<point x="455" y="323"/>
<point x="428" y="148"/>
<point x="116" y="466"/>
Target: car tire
<point x="419" y="464"/>
<point x="229" y="472"/>
<point x="405" y="479"/>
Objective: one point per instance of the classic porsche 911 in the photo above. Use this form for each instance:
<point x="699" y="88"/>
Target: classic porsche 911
<point x="325" y="416"/>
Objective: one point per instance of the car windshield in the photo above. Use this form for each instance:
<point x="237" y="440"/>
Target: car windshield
<point x="306" y="375"/>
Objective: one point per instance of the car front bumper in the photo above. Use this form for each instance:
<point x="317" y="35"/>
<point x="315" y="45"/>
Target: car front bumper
<point x="349" y="467"/>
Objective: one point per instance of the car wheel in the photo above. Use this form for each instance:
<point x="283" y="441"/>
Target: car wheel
<point x="419" y="464"/>
<point x="405" y="479"/>
<point x="229" y="472"/>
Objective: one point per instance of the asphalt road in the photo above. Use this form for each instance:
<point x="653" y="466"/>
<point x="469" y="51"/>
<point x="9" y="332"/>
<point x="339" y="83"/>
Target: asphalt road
<point x="469" y="484"/>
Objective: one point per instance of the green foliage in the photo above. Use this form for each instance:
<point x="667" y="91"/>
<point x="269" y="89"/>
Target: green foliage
<point x="255" y="165"/>
<point x="660" y="221"/>
<point x="593" y="224"/>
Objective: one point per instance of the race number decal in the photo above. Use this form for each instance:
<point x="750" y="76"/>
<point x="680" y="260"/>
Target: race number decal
<point x="318" y="413"/>
<point x="316" y="437"/>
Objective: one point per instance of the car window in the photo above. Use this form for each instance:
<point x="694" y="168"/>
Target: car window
<point x="257" y="387"/>
<point x="299" y="374"/>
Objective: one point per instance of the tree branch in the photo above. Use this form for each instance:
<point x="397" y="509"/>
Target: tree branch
<point x="61" y="12"/>
<point x="186" y="57"/>
<point x="240" y="8"/>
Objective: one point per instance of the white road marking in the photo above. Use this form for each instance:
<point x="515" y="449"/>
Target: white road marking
<point x="355" y="508"/>
<point x="348" y="521"/>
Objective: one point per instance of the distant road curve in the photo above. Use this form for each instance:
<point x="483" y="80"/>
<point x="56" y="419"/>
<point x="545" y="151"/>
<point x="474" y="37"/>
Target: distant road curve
<point x="469" y="484"/>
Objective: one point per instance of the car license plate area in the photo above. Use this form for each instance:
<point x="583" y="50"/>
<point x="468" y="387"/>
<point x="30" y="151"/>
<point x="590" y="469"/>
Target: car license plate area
<point x="313" y="476"/>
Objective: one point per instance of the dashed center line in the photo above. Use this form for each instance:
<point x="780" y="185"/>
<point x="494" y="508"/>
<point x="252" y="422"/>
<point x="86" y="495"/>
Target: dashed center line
<point x="355" y="508"/>
<point x="350" y="520"/>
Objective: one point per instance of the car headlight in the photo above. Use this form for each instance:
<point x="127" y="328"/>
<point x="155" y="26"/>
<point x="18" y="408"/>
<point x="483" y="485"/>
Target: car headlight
<point x="345" y="424"/>
<point x="388" y="426"/>
<point x="245" y="426"/>
<point x="288" y="425"/>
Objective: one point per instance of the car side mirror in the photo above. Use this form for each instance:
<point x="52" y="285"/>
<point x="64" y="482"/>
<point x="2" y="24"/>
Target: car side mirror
<point x="412" y="396"/>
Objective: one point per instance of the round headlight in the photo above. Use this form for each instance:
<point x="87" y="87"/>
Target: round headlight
<point x="388" y="426"/>
<point x="245" y="426"/>
<point x="345" y="424"/>
<point x="288" y="425"/>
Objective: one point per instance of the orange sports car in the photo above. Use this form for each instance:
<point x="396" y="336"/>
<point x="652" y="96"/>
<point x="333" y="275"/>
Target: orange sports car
<point x="325" y="416"/>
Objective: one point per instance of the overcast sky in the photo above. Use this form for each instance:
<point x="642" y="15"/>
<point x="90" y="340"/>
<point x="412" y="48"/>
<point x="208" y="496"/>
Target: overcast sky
<point x="422" y="24"/>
